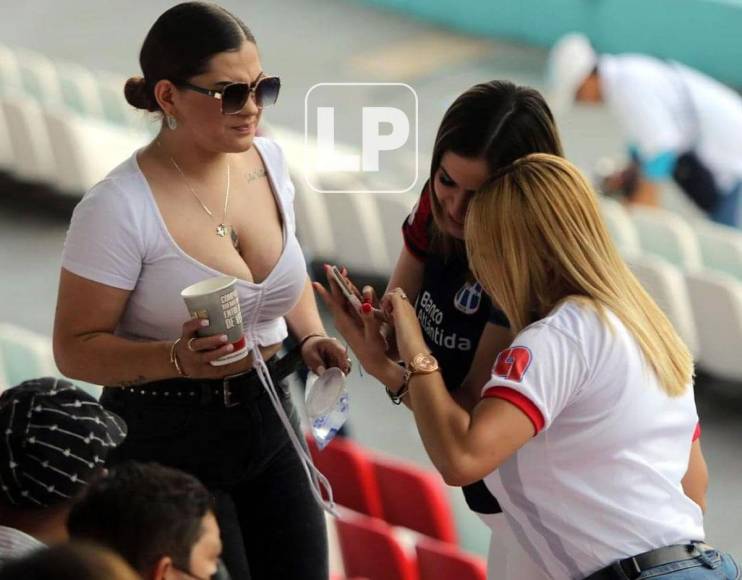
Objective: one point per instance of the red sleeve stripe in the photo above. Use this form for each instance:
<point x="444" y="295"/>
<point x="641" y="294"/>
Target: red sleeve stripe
<point x="697" y="433"/>
<point x="521" y="401"/>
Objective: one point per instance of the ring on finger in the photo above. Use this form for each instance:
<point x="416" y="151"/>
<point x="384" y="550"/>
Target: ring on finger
<point x="190" y="344"/>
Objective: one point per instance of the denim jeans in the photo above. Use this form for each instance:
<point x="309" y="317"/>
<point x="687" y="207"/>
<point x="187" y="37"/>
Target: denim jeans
<point x="710" y="565"/>
<point x="271" y="526"/>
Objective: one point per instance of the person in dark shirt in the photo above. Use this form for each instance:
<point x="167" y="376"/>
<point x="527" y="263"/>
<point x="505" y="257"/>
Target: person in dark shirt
<point x="486" y="128"/>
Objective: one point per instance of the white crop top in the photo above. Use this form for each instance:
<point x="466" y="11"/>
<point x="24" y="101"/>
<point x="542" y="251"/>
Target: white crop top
<point x="117" y="237"/>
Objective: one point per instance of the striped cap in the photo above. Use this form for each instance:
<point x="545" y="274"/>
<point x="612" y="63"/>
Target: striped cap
<point x="53" y="438"/>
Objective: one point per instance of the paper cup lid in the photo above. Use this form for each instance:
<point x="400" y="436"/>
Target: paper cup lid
<point x="208" y="286"/>
<point x="324" y="391"/>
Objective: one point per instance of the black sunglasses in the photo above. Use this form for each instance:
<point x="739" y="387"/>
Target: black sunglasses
<point x="234" y="95"/>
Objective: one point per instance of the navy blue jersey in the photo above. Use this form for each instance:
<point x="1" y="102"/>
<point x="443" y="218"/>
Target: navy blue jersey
<point x="451" y="307"/>
<point x="452" y="310"/>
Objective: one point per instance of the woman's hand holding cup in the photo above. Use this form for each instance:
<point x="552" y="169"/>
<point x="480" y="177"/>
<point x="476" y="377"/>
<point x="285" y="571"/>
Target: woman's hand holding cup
<point x="221" y="341"/>
<point x="195" y="353"/>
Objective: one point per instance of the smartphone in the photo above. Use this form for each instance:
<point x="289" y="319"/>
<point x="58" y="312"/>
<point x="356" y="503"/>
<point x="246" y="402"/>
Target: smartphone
<point x="345" y="288"/>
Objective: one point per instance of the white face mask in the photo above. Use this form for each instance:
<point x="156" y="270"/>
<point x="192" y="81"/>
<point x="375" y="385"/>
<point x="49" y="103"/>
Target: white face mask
<point x="328" y="404"/>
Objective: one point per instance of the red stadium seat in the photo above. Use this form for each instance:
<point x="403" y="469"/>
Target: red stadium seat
<point x="371" y="551"/>
<point x="442" y="561"/>
<point x="415" y="498"/>
<point x="349" y="470"/>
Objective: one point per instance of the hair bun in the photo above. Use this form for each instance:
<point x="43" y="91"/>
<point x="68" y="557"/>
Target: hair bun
<point x="138" y="94"/>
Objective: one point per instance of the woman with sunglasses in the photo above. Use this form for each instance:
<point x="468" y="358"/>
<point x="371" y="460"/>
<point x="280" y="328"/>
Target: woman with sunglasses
<point x="205" y="198"/>
<point x="585" y="430"/>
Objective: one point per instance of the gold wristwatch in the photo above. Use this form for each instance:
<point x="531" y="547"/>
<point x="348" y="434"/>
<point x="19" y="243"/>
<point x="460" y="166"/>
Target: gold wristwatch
<point x="421" y="364"/>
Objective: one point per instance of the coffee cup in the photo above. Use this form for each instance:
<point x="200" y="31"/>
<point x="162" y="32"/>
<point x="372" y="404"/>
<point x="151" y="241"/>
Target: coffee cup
<point x="216" y="300"/>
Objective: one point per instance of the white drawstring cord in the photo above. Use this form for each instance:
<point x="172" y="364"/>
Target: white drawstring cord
<point x="314" y="475"/>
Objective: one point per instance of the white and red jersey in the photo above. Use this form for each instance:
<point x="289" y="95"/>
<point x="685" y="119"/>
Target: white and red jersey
<point x="601" y="480"/>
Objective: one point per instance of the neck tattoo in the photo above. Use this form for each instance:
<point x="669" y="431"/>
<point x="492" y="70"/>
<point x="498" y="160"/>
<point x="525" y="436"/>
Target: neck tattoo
<point x="255" y="174"/>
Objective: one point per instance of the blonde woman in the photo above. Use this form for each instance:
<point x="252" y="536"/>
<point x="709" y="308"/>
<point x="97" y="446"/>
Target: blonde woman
<point x="586" y="429"/>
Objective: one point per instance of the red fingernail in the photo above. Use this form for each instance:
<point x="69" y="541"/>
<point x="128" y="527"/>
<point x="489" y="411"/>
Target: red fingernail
<point x="366" y="307"/>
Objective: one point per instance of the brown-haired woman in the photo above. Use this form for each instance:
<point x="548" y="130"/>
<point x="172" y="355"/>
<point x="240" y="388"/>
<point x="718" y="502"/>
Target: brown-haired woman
<point x="205" y="198"/>
<point x="485" y="128"/>
<point x="586" y="431"/>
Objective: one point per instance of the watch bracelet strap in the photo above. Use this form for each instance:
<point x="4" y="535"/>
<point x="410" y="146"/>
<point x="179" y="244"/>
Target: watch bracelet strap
<point x="399" y="395"/>
<point x="396" y="398"/>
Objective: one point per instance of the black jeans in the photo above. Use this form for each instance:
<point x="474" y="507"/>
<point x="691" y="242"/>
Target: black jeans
<point x="271" y="526"/>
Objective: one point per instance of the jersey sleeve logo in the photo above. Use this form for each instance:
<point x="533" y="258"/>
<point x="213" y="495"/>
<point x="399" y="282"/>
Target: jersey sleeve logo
<point x="468" y="298"/>
<point x="512" y="363"/>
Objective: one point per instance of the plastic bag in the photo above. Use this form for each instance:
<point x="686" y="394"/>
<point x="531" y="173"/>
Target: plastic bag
<point x="327" y="403"/>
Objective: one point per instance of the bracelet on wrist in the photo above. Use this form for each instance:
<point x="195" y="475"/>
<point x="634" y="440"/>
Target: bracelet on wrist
<point x="397" y="397"/>
<point x="174" y="358"/>
<point x="310" y="336"/>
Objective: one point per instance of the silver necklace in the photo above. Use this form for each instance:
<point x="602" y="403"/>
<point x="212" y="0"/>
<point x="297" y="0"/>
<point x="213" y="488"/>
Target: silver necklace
<point x="222" y="228"/>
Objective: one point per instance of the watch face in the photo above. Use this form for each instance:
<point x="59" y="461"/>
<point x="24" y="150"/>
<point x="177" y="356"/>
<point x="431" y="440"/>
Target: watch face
<point x="425" y="363"/>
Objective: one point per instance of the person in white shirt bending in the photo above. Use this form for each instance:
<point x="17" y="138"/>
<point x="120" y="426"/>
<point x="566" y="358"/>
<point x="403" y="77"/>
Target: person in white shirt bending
<point x="585" y="430"/>
<point x="679" y="123"/>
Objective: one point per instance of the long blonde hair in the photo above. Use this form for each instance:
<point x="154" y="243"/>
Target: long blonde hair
<point x="534" y="237"/>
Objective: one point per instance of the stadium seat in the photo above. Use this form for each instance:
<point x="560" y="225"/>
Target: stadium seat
<point x="76" y="145"/>
<point x="370" y="549"/>
<point x="115" y="108"/>
<point x="716" y="299"/>
<point x="7" y="159"/>
<point x="666" y="234"/>
<point x="666" y="285"/>
<point x="39" y="77"/>
<point x="721" y="248"/>
<point x="24" y="355"/>
<point x="312" y="222"/>
<point x="80" y="90"/>
<point x="355" y="219"/>
<point x="10" y="72"/>
<point x="414" y="498"/>
<point x="351" y="475"/>
<point x="442" y="561"/>
<point x="393" y="209"/>
<point x="620" y="226"/>
<point x="29" y="138"/>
